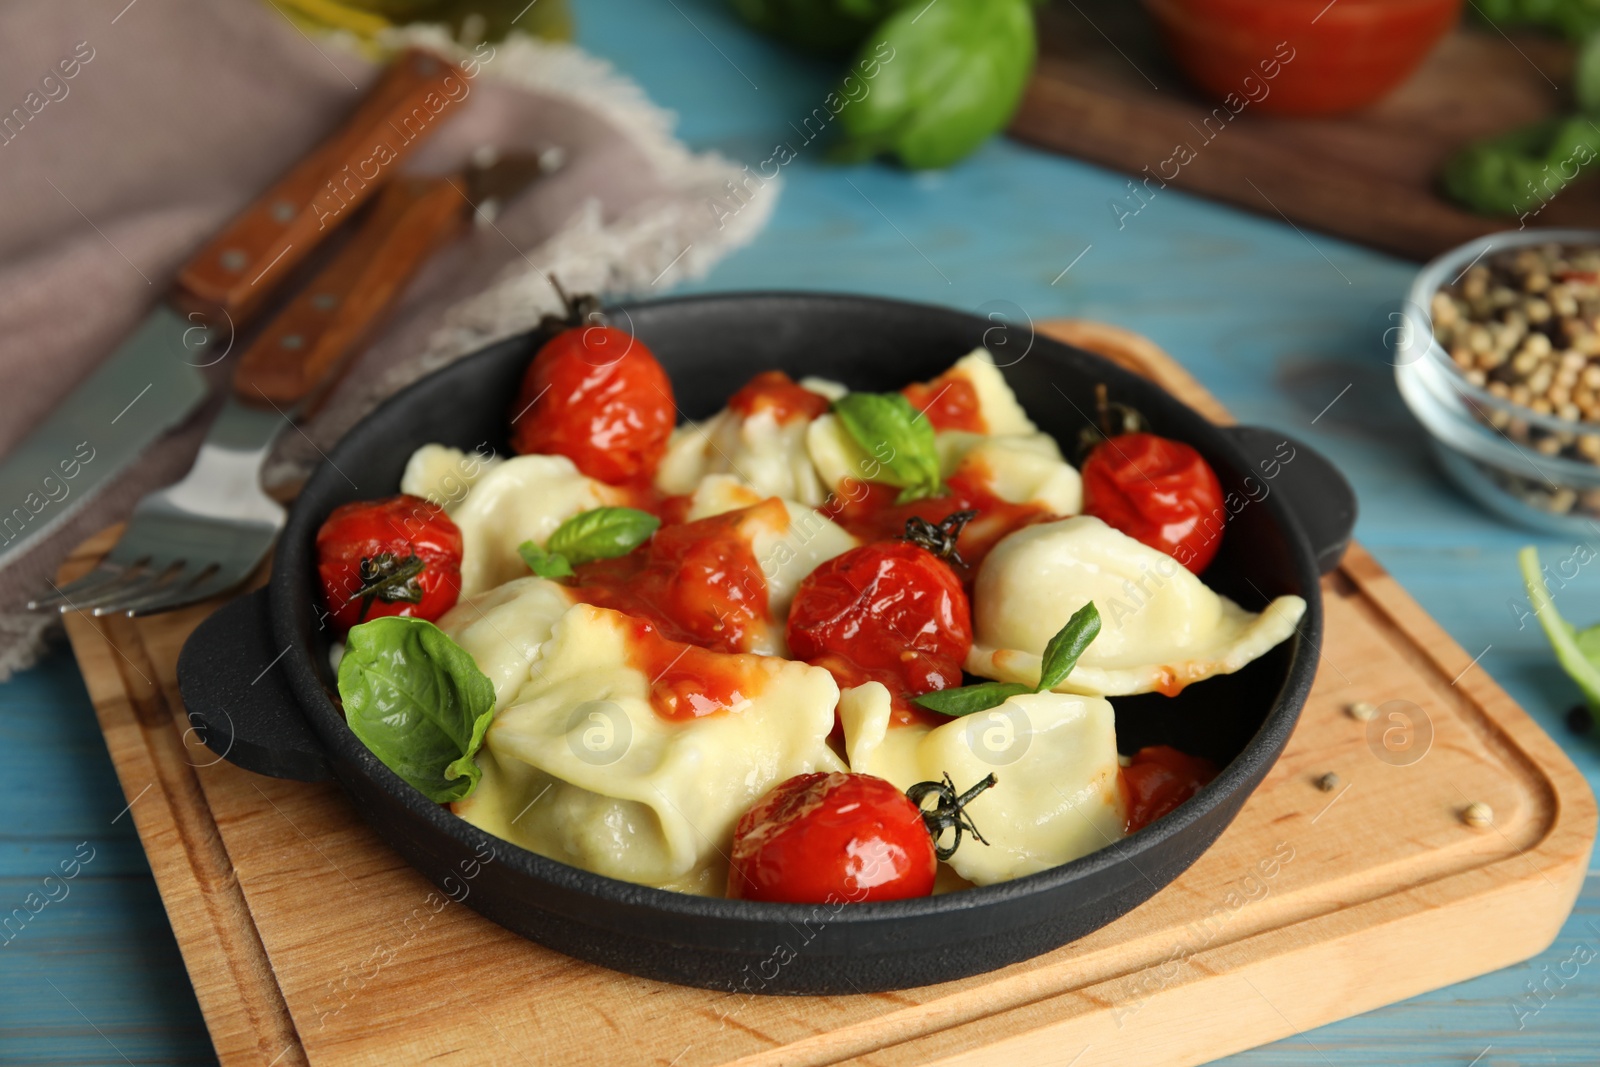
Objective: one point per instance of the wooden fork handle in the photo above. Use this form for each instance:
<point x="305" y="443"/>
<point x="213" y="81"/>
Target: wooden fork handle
<point x="304" y="348"/>
<point x="239" y="268"/>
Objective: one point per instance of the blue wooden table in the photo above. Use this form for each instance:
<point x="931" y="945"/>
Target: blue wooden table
<point x="1277" y="323"/>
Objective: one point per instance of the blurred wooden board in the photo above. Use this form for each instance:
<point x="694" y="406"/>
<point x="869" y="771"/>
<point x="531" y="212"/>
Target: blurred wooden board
<point x="1105" y="91"/>
<point x="309" y="941"/>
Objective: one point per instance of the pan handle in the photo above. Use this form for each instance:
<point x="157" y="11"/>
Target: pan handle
<point x="238" y="699"/>
<point x="1316" y="493"/>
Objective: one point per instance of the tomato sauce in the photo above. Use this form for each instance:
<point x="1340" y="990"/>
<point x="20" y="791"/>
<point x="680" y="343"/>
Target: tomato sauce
<point x="698" y="582"/>
<point x="1159" y="779"/>
<point x="874" y="516"/>
<point x="949" y="401"/>
<point x="780" y="394"/>
<point x="689" y="682"/>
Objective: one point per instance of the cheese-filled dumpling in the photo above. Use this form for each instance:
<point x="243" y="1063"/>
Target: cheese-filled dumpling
<point x="1019" y="464"/>
<point x="521" y="499"/>
<point x="993" y="403"/>
<point x="1162" y="628"/>
<point x="1017" y="468"/>
<point x="443" y="474"/>
<point x="504" y="628"/>
<point x="760" y="437"/>
<point x="1054" y="758"/>
<point x="633" y="757"/>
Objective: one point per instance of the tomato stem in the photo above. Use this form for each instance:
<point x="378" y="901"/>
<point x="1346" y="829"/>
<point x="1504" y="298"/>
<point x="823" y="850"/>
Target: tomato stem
<point x="949" y="813"/>
<point x="581" y="310"/>
<point x="1111" y="420"/>
<point x="939" y="538"/>
<point x="389" y="578"/>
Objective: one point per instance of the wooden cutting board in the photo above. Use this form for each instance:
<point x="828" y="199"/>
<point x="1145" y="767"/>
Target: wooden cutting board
<point x="1104" y="91"/>
<point x="309" y="941"/>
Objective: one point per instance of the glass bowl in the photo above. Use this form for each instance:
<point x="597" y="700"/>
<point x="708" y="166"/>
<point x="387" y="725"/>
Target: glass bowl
<point x="1526" y="466"/>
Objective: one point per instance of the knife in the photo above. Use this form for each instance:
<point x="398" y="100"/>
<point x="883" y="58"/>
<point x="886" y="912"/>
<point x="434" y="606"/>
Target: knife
<point x="153" y="381"/>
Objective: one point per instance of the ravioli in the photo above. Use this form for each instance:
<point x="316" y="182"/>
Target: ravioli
<point x="1011" y="458"/>
<point x="504" y="628"/>
<point x="1017" y="468"/>
<point x="521" y="499"/>
<point x="1054" y="758"/>
<point x="765" y="452"/>
<point x="997" y="404"/>
<point x="1162" y="628"/>
<point x="443" y="474"/>
<point x="580" y="767"/>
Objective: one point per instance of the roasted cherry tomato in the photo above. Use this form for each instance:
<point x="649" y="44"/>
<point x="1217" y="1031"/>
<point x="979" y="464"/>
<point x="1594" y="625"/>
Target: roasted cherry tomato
<point x="889" y="611"/>
<point x="1159" y="492"/>
<point x="399" y="556"/>
<point x="597" y="396"/>
<point x="1159" y="779"/>
<point x="832" y="838"/>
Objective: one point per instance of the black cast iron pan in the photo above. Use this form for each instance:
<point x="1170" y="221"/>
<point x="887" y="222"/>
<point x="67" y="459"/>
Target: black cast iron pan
<point x="280" y="721"/>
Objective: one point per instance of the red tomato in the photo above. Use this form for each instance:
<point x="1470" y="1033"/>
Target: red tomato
<point x="399" y="556"/>
<point x="831" y="838"/>
<point x="889" y="611"/>
<point x="698" y="583"/>
<point x="1159" y="492"/>
<point x="1159" y="779"/>
<point x="1299" y="57"/>
<point x="597" y="396"/>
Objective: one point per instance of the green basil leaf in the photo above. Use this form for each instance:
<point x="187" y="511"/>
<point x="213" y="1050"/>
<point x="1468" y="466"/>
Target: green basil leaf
<point x="971" y="698"/>
<point x="602" y="533"/>
<point x="1061" y="654"/>
<point x="417" y="700"/>
<point x="888" y="428"/>
<point x="544" y="564"/>
<point x="948" y="75"/>
<point x="1575" y="650"/>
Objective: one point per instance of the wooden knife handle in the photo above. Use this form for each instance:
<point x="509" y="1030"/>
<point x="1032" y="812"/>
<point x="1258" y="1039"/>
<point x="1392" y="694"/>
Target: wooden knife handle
<point x="238" y="269"/>
<point x="306" y="345"/>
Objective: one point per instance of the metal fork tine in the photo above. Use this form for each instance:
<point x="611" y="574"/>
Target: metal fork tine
<point x="96" y="582"/>
<point x="195" y="539"/>
<point x="160" y="583"/>
<point x="135" y="586"/>
<point x="202" y="586"/>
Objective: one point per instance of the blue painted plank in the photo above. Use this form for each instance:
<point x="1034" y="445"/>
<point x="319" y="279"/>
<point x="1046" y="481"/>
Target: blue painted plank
<point x="1275" y="322"/>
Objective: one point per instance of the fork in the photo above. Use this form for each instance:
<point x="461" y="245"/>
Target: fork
<point x="208" y="533"/>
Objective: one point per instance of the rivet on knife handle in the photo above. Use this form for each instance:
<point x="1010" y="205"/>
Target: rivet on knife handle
<point x="237" y="270"/>
<point x="307" y="343"/>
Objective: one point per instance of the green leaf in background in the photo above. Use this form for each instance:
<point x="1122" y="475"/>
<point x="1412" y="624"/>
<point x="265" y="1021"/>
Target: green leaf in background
<point x="417" y="700"/>
<point x="1578" y="651"/>
<point x="1061" y="654"/>
<point x="1518" y="171"/>
<point x="949" y="75"/>
<point x="1576" y="19"/>
<point x="889" y="429"/>
<point x="542" y="563"/>
<point x="602" y="533"/>
<point x="1586" y="76"/>
<point x="971" y="698"/>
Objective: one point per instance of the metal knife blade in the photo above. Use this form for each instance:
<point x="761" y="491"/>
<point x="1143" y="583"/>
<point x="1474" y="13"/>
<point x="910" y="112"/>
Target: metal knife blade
<point x="149" y="385"/>
<point x="153" y="380"/>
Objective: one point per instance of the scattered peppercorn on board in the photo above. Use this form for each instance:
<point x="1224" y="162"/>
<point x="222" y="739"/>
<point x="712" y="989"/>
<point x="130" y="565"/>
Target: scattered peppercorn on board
<point x="1105" y="91"/>
<point x="1357" y="875"/>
